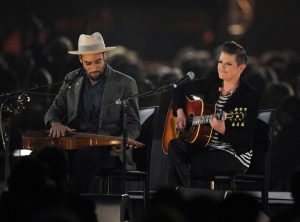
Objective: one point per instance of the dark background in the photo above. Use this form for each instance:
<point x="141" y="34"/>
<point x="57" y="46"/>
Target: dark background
<point x="154" y="29"/>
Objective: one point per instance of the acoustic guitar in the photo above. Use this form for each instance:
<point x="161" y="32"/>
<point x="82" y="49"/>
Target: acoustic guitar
<point x="198" y="129"/>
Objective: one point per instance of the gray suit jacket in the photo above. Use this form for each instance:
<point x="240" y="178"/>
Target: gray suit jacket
<point x="117" y="86"/>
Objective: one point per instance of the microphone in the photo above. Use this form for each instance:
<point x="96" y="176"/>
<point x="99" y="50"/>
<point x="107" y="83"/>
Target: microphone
<point x="189" y="76"/>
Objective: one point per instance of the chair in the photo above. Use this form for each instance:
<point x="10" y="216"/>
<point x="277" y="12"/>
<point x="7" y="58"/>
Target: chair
<point x="258" y="173"/>
<point x="141" y="156"/>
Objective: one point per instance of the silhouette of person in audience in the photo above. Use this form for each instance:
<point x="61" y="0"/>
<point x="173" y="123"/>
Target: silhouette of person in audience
<point x="292" y="214"/>
<point x="240" y="207"/>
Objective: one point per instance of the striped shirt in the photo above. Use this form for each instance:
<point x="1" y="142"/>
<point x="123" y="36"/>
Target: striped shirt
<point x="216" y="143"/>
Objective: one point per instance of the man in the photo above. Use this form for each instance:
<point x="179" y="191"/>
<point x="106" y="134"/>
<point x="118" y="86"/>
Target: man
<point x="229" y="148"/>
<point x="86" y="103"/>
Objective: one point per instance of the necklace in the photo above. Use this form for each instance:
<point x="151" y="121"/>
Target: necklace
<point x="227" y="92"/>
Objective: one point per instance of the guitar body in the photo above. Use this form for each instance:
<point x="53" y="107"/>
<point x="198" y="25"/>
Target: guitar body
<point x="199" y="134"/>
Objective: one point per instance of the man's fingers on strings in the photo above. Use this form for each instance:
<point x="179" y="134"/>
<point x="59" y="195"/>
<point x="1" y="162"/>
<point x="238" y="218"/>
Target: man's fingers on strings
<point x="53" y="134"/>
<point x="70" y="129"/>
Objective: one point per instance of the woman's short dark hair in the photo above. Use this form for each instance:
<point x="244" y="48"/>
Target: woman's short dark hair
<point x="234" y="48"/>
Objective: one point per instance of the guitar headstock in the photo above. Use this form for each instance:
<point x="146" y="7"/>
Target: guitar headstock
<point x="237" y="117"/>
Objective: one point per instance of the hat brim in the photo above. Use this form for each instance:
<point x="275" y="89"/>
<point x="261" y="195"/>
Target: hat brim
<point x="92" y="52"/>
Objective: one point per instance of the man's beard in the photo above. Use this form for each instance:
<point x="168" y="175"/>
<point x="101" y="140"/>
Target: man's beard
<point x="93" y="77"/>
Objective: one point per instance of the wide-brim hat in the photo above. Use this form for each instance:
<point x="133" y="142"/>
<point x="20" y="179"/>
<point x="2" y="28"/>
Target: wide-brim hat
<point x="91" y="44"/>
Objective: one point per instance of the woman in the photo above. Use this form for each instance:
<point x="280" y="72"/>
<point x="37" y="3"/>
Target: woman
<point x="228" y="150"/>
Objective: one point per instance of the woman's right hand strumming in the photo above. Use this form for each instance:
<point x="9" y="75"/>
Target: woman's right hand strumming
<point x="180" y="120"/>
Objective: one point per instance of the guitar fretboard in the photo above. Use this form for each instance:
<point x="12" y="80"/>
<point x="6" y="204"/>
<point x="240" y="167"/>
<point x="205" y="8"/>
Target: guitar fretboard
<point x="205" y="119"/>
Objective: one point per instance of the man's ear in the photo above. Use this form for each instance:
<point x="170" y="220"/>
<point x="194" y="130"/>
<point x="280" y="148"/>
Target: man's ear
<point x="80" y="59"/>
<point x="105" y="56"/>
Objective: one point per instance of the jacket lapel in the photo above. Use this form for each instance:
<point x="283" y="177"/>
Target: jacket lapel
<point x="74" y="98"/>
<point x="236" y="96"/>
<point x="108" y="94"/>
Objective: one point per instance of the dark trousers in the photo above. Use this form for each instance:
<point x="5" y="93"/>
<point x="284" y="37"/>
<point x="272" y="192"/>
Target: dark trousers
<point x="190" y="161"/>
<point x="87" y="162"/>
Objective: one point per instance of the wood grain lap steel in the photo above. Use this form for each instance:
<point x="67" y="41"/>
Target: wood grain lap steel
<point x="73" y="140"/>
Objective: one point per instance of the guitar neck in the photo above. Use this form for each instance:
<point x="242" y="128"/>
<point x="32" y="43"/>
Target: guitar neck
<point x="198" y="120"/>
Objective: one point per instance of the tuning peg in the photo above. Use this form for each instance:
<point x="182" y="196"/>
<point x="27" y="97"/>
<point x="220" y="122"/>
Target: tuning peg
<point x="242" y="124"/>
<point x="238" y="124"/>
<point x="233" y="124"/>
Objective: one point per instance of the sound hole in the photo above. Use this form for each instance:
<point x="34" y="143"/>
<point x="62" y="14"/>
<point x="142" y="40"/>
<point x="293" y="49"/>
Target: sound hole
<point x="189" y="129"/>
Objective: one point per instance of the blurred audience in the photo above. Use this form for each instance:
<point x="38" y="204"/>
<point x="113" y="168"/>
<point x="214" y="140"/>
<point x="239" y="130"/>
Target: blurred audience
<point x="38" y="190"/>
<point x="166" y="206"/>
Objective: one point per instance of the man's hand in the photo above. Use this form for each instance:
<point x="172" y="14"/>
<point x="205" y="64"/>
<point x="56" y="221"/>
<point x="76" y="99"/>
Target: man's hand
<point x="180" y="120"/>
<point x="116" y="150"/>
<point x="58" y="130"/>
<point x="217" y="125"/>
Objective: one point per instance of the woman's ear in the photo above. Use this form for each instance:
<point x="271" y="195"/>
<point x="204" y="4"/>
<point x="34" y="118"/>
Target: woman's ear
<point x="242" y="67"/>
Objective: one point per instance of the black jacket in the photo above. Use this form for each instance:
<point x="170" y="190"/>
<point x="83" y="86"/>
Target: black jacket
<point x="117" y="86"/>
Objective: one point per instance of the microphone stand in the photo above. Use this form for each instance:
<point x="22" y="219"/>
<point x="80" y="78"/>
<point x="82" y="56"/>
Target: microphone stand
<point x="152" y="92"/>
<point x="5" y="124"/>
<point x="124" y="110"/>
